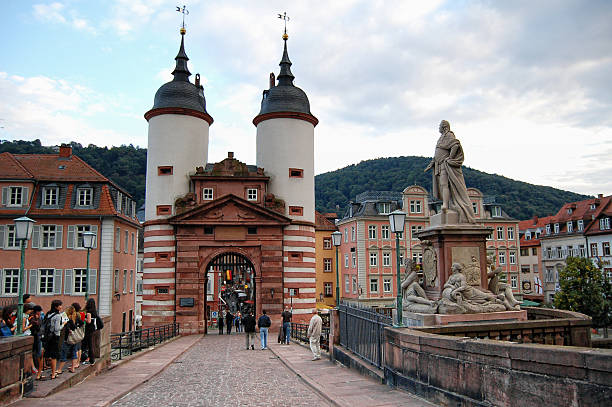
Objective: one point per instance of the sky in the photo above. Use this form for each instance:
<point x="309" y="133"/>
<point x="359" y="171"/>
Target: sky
<point x="526" y="86"/>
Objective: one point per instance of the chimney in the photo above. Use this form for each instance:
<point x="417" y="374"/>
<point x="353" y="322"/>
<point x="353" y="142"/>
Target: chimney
<point x="600" y="196"/>
<point x="197" y="80"/>
<point x="230" y="154"/>
<point x="535" y="219"/>
<point x="272" y="80"/>
<point x="65" y="151"/>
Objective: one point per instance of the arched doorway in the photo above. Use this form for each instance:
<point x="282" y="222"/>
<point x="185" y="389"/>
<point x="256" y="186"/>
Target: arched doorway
<point x="233" y="276"/>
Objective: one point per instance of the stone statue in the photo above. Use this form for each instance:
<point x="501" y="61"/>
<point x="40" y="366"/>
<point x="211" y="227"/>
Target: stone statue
<point x="430" y="264"/>
<point x="448" y="183"/>
<point x="502" y="289"/>
<point x="460" y="298"/>
<point x="414" y="297"/>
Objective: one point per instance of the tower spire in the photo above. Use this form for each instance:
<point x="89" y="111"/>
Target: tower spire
<point x="181" y="72"/>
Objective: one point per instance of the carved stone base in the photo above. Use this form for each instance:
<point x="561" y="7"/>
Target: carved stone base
<point x="416" y="319"/>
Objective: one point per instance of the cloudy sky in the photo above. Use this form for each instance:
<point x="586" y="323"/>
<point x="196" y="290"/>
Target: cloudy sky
<point x="526" y="86"/>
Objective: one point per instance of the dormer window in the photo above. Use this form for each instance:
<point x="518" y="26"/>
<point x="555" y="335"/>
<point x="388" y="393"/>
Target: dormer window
<point x="604" y="223"/>
<point x="569" y="211"/>
<point x="207" y="194"/>
<point x="84" y="196"/>
<point x="548" y="229"/>
<point x="593" y="206"/>
<point x="251" y="194"/>
<point x="580" y="225"/>
<point x="528" y="235"/>
<point x="496" y="211"/>
<point x="556" y="228"/>
<point x="50" y="196"/>
<point x="570" y="227"/>
<point x="384" y="208"/>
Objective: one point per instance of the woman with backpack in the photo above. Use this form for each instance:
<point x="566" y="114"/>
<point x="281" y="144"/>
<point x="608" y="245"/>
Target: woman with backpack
<point x="52" y="327"/>
<point x="81" y="316"/>
<point x="93" y="323"/>
<point x="70" y="339"/>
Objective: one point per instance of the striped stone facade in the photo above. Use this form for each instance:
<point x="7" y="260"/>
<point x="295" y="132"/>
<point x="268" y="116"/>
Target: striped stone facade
<point x="300" y="269"/>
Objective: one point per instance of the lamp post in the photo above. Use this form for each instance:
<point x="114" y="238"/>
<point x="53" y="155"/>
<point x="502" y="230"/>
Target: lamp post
<point x="23" y="233"/>
<point x="89" y="240"/>
<point x="397" y="220"/>
<point x="336" y="240"/>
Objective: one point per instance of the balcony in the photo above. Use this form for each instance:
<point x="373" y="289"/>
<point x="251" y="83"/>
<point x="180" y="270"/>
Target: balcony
<point x="563" y="254"/>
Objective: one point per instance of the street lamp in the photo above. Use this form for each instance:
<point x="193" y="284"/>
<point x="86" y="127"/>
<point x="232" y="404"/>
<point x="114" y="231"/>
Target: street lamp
<point x="23" y="232"/>
<point x="397" y="220"/>
<point x="336" y="240"/>
<point x="89" y="240"/>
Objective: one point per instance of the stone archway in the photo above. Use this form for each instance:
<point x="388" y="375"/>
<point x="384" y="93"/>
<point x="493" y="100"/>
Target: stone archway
<point x="235" y="278"/>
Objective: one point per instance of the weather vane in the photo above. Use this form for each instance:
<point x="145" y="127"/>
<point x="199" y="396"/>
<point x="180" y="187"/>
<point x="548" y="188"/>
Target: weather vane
<point x="284" y="17"/>
<point x="184" y="12"/>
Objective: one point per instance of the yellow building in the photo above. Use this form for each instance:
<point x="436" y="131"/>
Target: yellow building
<point x="325" y="255"/>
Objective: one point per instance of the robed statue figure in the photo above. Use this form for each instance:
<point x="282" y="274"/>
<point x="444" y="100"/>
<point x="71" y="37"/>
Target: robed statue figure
<point x="448" y="183"/>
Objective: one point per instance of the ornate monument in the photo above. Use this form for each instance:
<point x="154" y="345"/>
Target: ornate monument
<point x="414" y="297"/>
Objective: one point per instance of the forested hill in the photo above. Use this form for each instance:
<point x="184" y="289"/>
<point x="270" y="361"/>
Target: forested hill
<point x="519" y="199"/>
<point x="126" y="166"/>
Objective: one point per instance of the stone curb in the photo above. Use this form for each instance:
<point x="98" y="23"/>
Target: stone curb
<point x="146" y="379"/>
<point x="311" y="383"/>
<point x="138" y="354"/>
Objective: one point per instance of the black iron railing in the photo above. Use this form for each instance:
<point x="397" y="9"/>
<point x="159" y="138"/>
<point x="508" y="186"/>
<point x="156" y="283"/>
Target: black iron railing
<point x="300" y="332"/>
<point x="8" y="301"/>
<point x="362" y="331"/>
<point x="125" y="343"/>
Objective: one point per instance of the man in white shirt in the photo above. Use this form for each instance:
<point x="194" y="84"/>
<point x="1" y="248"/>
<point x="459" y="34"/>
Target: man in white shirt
<point x="314" y="334"/>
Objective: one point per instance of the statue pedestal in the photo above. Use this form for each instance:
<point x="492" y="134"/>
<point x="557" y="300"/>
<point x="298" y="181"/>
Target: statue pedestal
<point x="454" y="243"/>
<point x="416" y="319"/>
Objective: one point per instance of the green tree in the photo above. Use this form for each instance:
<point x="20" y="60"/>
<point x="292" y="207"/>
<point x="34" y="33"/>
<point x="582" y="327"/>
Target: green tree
<point x="582" y="289"/>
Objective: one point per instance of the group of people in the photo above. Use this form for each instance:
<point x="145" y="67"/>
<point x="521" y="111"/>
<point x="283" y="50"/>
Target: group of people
<point x="264" y="322"/>
<point x="61" y="335"/>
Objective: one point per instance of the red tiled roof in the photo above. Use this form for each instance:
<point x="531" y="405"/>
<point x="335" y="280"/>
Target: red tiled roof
<point x="322" y="223"/>
<point x="604" y="210"/>
<point x="50" y="167"/>
<point x="11" y="168"/>
<point x="535" y="222"/>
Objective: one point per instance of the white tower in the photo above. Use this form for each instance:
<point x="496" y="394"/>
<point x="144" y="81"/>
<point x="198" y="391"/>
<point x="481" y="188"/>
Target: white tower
<point x="178" y="139"/>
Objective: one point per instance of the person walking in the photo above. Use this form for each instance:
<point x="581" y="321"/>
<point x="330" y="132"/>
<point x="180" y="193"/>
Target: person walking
<point x="249" y="329"/>
<point x="52" y="329"/>
<point x="287" y="324"/>
<point x="68" y="349"/>
<point x="37" y="360"/>
<point x="314" y="334"/>
<point x="229" y="320"/>
<point x="264" y="323"/>
<point x="220" y="321"/>
<point x="93" y="323"/>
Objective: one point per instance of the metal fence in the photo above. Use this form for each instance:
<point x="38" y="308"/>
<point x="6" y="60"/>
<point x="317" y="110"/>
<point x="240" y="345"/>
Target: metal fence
<point x="362" y="331"/>
<point x="300" y="332"/>
<point x="126" y="343"/>
<point x="8" y="301"/>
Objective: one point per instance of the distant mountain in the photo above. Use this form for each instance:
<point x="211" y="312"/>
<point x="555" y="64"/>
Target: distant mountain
<point x="126" y="166"/>
<point x="519" y="199"/>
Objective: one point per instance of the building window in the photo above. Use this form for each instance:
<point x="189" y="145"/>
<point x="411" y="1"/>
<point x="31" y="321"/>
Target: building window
<point x="354" y="259"/>
<point x="11" y="238"/>
<point x="126" y="241"/>
<point x="496" y="211"/>
<point x="512" y="257"/>
<point x="328" y="289"/>
<point x="346" y="284"/>
<point x="296" y="173"/>
<point x="502" y="258"/>
<point x="570" y="227"/>
<point x="209" y="230"/>
<point x="296" y="210"/>
<point x="346" y="261"/>
<point x="45" y="285"/>
<point x="386" y="259"/>
<point x="80" y="229"/>
<point x="16" y="197"/>
<point x="500" y="233"/>
<point x="373" y="259"/>
<point x="528" y="235"/>
<point x="414" y="230"/>
<point x="548" y="229"/>
<point x="580" y="225"/>
<point x="510" y="233"/>
<point x="164" y="209"/>
<point x="525" y="269"/>
<point x="605" y="248"/>
<point x="373" y="285"/>
<point x="524" y="252"/>
<point x="164" y="170"/>
<point x="372" y="232"/>
<point x="207" y="194"/>
<point x="346" y="235"/>
<point x="80" y="284"/>
<point x="162" y="290"/>
<point x="48" y="237"/>
<point x="514" y="282"/>
<point x="353" y="236"/>
<point x="387" y="285"/>
<point x="354" y="285"/>
<point x="384" y="208"/>
<point x="384" y="232"/>
<point x="251" y="194"/>
<point x="116" y="282"/>
<point x="138" y="287"/>
<point x="11" y="281"/>
<point x="162" y="256"/>
<point x="132" y="243"/>
<point x="534" y="251"/>
<point x="327" y="265"/>
<point x="252" y="230"/>
<point x="593" y="206"/>
<point x="84" y="196"/>
<point x="327" y="243"/>
<point x="415" y="206"/>
<point x="556" y="228"/>
<point x="475" y="208"/>
<point x="50" y="196"/>
<point x="124" y="281"/>
<point x="593" y="249"/>
<point x="117" y="240"/>
<point x="604" y="223"/>
<point x="417" y="258"/>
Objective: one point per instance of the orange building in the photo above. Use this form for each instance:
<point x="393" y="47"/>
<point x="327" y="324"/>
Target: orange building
<point x="66" y="197"/>
<point x="325" y="259"/>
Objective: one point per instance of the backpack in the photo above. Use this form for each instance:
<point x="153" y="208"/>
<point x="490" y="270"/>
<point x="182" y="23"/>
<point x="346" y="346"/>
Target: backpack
<point x="46" y="326"/>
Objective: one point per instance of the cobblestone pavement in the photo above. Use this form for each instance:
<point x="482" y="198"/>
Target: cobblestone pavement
<point x="219" y="371"/>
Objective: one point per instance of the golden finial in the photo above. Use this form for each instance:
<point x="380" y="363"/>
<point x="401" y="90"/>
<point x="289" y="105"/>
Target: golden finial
<point x="285" y="36"/>
<point x="285" y="18"/>
<point x="184" y="12"/>
<point x="183" y="31"/>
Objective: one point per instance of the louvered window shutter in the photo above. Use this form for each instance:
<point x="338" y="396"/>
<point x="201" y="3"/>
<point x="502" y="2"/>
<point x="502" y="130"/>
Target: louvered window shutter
<point x="119" y="201"/>
<point x="35" y="236"/>
<point x="2" y="236"/>
<point x="5" y="194"/>
<point x="1" y="282"/>
<point x="94" y="229"/>
<point x="57" y="281"/>
<point x="68" y="282"/>
<point x="59" y="236"/>
<point x="92" y="280"/>
<point x="33" y="282"/>
<point x="24" y="196"/>
<point x="70" y="239"/>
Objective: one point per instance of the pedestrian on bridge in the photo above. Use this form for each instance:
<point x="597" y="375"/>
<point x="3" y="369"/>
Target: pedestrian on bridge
<point x="220" y="321"/>
<point x="249" y="329"/>
<point x="229" y="320"/>
<point x="286" y="325"/>
<point x="314" y="334"/>
<point x="264" y="323"/>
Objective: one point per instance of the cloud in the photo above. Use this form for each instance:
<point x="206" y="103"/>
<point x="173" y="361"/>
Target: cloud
<point x="56" y="13"/>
